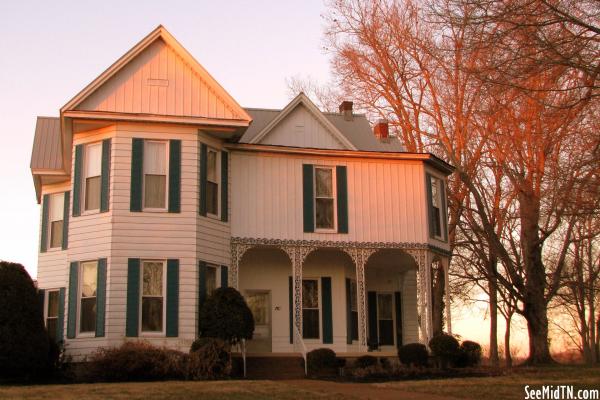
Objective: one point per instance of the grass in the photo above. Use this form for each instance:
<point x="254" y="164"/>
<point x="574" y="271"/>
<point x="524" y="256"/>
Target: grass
<point x="508" y="386"/>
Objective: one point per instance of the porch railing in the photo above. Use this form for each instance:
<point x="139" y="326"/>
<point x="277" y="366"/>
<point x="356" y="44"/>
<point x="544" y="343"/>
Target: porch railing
<point x="300" y="347"/>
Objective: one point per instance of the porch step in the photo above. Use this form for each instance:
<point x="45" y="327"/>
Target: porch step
<point x="275" y="368"/>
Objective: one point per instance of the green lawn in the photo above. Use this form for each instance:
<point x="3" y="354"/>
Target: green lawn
<point x="509" y="386"/>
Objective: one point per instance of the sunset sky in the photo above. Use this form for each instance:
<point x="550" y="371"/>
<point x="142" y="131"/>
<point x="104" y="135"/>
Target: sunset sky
<point x="52" y="50"/>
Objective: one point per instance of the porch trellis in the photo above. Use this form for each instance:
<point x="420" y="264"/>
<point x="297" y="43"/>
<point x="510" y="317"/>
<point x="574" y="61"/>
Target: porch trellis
<point x="359" y="252"/>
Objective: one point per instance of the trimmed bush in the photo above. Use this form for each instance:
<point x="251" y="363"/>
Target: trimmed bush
<point x="414" y="354"/>
<point x="320" y="360"/>
<point x="226" y="315"/>
<point x="25" y="351"/>
<point x="365" y="361"/>
<point x="445" y="348"/>
<point x="135" y="361"/>
<point x="209" y="359"/>
<point x="469" y="354"/>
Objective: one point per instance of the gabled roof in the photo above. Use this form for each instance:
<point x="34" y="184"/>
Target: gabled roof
<point x="160" y="33"/>
<point x="301" y="99"/>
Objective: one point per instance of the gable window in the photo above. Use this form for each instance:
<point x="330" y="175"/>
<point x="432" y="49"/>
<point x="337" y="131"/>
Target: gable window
<point x="324" y="198"/>
<point x="92" y="173"/>
<point x="212" y="185"/>
<point x="354" y="310"/>
<point x="152" y="296"/>
<point x="52" y="313"/>
<point x="56" y="219"/>
<point x="88" y="286"/>
<point x="155" y="174"/>
<point x="310" y="309"/>
<point x="436" y="203"/>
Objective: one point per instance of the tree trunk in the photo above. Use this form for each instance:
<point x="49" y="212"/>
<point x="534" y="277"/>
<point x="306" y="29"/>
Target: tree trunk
<point x="507" y="355"/>
<point x="598" y="339"/>
<point x="493" y="292"/>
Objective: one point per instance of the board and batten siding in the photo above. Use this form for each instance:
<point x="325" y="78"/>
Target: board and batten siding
<point x="386" y="199"/>
<point x="158" y="81"/>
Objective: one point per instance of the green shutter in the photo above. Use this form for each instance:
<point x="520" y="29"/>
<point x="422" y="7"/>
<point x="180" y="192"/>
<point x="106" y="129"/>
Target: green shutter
<point x="201" y="286"/>
<point x="60" y="321"/>
<point x="137" y="170"/>
<point x="372" y="306"/>
<point x="65" y="233"/>
<point x="444" y="211"/>
<point x="291" y="308"/>
<point x="224" y="277"/>
<point x="77" y="180"/>
<point x="101" y="298"/>
<point x="72" y="315"/>
<point x="327" y="313"/>
<point x="308" y="197"/>
<point x="430" y="213"/>
<point x="398" y="306"/>
<point x="105" y="177"/>
<point x="202" y="178"/>
<point x="342" y="198"/>
<point x="174" y="176"/>
<point x="133" y="297"/>
<point x="348" y="312"/>
<point x="224" y="186"/>
<point x="42" y="302"/>
<point x="45" y="211"/>
<point x="172" y="298"/>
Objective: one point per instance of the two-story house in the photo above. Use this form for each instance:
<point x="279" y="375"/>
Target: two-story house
<point x="156" y="187"/>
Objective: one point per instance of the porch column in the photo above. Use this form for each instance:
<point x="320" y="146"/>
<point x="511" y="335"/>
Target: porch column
<point x="423" y="294"/>
<point x="297" y="255"/>
<point x="429" y="296"/>
<point x="360" y="258"/>
<point x="446" y="265"/>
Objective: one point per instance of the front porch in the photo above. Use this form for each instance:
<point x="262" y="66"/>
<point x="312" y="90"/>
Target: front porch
<point x="350" y="297"/>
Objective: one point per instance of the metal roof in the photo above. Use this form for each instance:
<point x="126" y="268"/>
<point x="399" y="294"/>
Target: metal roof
<point x="358" y="131"/>
<point x="47" y="151"/>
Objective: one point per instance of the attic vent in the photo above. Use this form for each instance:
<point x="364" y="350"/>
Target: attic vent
<point x="158" y="82"/>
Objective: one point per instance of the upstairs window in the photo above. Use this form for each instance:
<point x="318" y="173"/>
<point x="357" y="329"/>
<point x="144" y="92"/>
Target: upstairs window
<point x="57" y="202"/>
<point x="155" y="174"/>
<point x="436" y="203"/>
<point x="92" y="172"/>
<point x="152" y="296"/>
<point x="324" y="198"/>
<point x="212" y="185"/>
<point x="52" y="313"/>
<point x="88" y="290"/>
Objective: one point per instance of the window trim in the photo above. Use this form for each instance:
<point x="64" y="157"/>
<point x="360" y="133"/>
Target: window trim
<point x="218" y="181"/>
<point x="333" y="197"/>
<point x="162" y="332"/>
<point x="79" y="298"/>
<point x="50" y="221"/>
<point x="84" y="176"/>
<point x="167" y="164"/>
<point x="320" y="309"/>
<point x="47" y="304"/>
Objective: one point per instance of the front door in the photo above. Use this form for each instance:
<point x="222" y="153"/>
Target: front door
<point x="259" y="302"/>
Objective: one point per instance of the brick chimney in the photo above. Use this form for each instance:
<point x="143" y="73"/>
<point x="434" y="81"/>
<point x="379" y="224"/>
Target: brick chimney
<point x="381" y="130"/>
<point x="346" y="110"/>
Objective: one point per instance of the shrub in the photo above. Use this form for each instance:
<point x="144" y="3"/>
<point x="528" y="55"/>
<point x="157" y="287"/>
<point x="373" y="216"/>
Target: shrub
<point x="135" y="361"/>
<point x="385" y="363"/>
<point x="209" y="359"/>
<point x="415" y="354"/>
<point x="445" y="348"/>
<point x="25" y="351"/>
<point x="469" y="354"/>
<point x="226" y="315"/>
<point x="365" y="361"/>
<point x="321" y="359"/>
<point x="370" y="372"/>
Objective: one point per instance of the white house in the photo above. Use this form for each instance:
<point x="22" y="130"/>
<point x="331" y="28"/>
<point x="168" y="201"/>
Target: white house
<point x="157" y="187"/>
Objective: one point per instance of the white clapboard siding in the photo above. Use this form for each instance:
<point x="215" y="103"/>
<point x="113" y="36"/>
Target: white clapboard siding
<point x="302" y="129"/>
<point x="410" y="325"/>
<point x="386" y="199"/>
<point x="159" y="82"/>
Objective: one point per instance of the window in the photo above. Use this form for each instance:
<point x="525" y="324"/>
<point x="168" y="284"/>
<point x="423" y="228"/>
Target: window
<point x="386" y="319"/>
<point x="92" y="172"/>
<point x="155" y="174"/>
<point x="436" y="203"/>
<point x="211" y="279"/>
<point x="57" y="202"/>
<point x="354" y="310"/>
<point x="88" y="286"/>
<point x="212" y="186"/>
<point x="52" y="313"/>
<point x="310" y="309"/>
<point x="324" y="198"/>
<point x="152" y="296"/>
